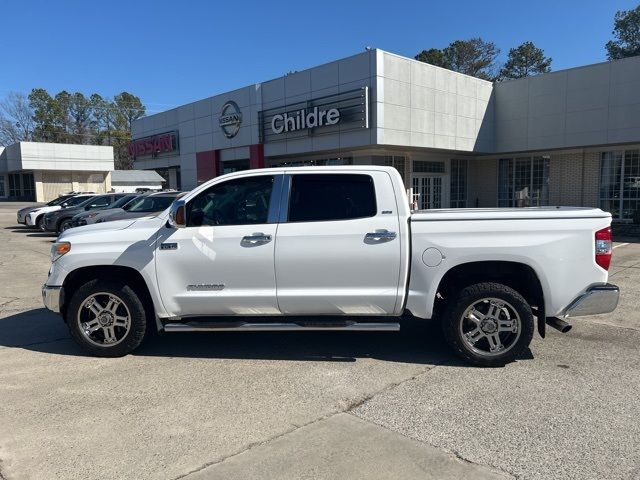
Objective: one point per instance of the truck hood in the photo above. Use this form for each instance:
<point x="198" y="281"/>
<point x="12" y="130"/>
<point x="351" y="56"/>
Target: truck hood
<point x="101" y="230"/>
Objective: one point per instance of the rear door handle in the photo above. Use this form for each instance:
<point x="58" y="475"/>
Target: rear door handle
<point x="380" y="235"/>
<point x="256" y="239"/>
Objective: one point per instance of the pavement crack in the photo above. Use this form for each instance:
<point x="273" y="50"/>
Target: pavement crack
<point x="360" y="401"/>
<point x="455" y="453"/>
<point x="11" y="300"/>
<point x="462" y="458"/>
<point x="348" y="408"/>
<point x="253" y="445"/>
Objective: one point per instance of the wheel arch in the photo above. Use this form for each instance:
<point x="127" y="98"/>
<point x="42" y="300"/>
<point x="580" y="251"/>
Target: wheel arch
<point x="129" y="275"/>
<point x="519" y="276"/>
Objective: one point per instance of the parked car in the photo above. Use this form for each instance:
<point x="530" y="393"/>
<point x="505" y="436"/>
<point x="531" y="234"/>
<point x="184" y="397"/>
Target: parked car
<point x="22" y="213"/>
<point x="91" y="217"/>
<point x="36" y="217"/>
<point x="331" y="248"/>
<point x="143" y="206"/>
<point x="61" y="220"/>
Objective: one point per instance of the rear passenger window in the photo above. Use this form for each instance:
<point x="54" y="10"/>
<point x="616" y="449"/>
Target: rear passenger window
<point x="323" y="197"/>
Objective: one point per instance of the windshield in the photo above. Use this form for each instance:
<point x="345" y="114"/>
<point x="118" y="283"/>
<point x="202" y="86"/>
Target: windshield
<point x="78" y="201"/>
<point x="152" y="204"/>
<point x="122" y="201"/>
<point x="57" y="201"/>
<point x="88" y="201"/>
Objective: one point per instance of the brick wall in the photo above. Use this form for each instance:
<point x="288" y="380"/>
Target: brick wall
<point x="482" y="177"/>
<point x="574" y="179"/>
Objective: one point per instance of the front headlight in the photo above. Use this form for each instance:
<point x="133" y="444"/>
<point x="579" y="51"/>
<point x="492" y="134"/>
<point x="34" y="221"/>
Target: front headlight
<point x="58" y="249"/>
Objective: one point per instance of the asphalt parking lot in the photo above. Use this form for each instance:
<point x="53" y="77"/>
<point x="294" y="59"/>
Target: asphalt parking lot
<point x="311" y="406"/>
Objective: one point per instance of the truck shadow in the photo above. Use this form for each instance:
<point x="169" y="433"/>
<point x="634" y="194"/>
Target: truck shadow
<point x="418" y="342"/>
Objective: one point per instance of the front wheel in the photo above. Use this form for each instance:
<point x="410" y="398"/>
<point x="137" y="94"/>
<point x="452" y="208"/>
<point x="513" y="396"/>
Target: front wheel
<point x="65" y="225"/>
<point x="106" y="318"/>
<point x="40" y="223"/>
<point x="488" y="324"/>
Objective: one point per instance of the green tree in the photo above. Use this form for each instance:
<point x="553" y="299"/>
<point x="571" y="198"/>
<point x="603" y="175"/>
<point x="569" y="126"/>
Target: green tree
<point x="524" y="61"/>
<point x="46" y="116"/>
<point x="626" y="30"/>
<point x="433" y="56"/>
<point x="127" y="108"/>
<point x="104" y="119"/>
<point x="82" y="122"/>
<point x="475" y="57"/>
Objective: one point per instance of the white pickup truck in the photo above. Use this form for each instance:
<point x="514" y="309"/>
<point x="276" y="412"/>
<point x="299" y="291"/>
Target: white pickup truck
<point x="331" y="248"/>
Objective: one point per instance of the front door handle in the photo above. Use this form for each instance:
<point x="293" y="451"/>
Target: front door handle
<point x="379" y="235"/>
<point x="256" y="239"/>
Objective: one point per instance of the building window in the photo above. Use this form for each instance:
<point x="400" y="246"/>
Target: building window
<point x="523" y="182"/>
<point x="458" y="183"/>
<point x="28" y="187"/>
<point x="14" y="185"/>
<point x="620" y="183"/>
<point x="311" y="162"/>
<point x="2" y="190"/>
<point x="422" y="166"/>
<point x="395" y="161"/>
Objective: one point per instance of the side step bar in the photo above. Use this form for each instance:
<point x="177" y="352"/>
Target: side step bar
<point x="280" y="327"/>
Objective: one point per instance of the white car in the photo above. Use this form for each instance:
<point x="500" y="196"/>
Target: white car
<point x="35" y="218"/>
<point x="331" y="248"/>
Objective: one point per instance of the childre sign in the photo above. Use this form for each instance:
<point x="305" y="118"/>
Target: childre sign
<point x="331" y="114"/>
<point x="289" y="122"/>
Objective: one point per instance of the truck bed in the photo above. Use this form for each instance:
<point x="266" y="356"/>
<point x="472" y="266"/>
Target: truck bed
<point x="529" y="213"/>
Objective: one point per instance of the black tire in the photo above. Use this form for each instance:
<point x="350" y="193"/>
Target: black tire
<point x="454" y="316"/>
<point x="64" y="225"/>
<point x="137" y="323"/>
<point x="40" y="223"/>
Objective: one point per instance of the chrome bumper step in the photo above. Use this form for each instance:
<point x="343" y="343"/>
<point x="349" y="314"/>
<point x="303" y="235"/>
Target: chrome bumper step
<point x="315" y="326"/>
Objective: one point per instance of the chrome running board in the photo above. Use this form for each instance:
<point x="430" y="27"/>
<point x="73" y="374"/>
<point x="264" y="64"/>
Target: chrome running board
<point x="317" y="326"/>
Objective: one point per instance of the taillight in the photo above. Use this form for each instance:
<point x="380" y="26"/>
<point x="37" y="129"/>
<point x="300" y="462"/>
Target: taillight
<point x="604" y="248"/>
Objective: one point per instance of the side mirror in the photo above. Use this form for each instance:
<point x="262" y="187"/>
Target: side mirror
<point x="64" y="205"/>
<point x="177" y="214"/>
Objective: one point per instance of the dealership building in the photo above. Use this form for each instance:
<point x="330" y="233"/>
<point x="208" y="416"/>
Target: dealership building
<point x="38" y="171"/>
<point x="570" y="137"/>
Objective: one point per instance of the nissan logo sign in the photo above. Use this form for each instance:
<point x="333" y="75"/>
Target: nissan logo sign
<point x="230" y="119"/>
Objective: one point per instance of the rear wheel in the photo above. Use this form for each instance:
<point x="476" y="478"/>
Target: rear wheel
<point x="488" y="324"/>
<point x="106" y="318"/>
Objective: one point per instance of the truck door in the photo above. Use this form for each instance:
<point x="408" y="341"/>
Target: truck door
<point x="221" y="263"/>
<point x="338" y="247"/>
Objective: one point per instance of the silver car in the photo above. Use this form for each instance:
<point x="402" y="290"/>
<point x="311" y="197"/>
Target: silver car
<point x="143" y="206"/>
<point x="88" y="218"/>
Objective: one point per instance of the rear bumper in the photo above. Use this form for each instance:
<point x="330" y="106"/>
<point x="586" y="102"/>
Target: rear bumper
<point x="52" y="298"/>
<point x="597" y="299"/>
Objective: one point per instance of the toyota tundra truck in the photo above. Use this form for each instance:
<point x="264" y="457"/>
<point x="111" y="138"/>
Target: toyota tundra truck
<point x="331" y="249"/>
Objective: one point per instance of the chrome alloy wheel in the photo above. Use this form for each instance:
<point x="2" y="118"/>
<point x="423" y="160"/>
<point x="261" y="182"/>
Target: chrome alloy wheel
<point x="490" y="327"/>
<point x="104" y="319"/>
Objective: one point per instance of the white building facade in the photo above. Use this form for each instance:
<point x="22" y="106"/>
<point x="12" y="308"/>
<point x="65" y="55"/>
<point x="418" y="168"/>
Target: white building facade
<point x="34" y="171"/>
<point x="570" y="137"/>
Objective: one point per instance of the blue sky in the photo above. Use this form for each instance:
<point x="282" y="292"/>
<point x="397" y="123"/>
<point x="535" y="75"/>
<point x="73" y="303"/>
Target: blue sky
<point x="170" y="53"/>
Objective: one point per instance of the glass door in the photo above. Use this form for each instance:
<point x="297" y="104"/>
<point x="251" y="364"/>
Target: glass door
<point x="427" y="191"/>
